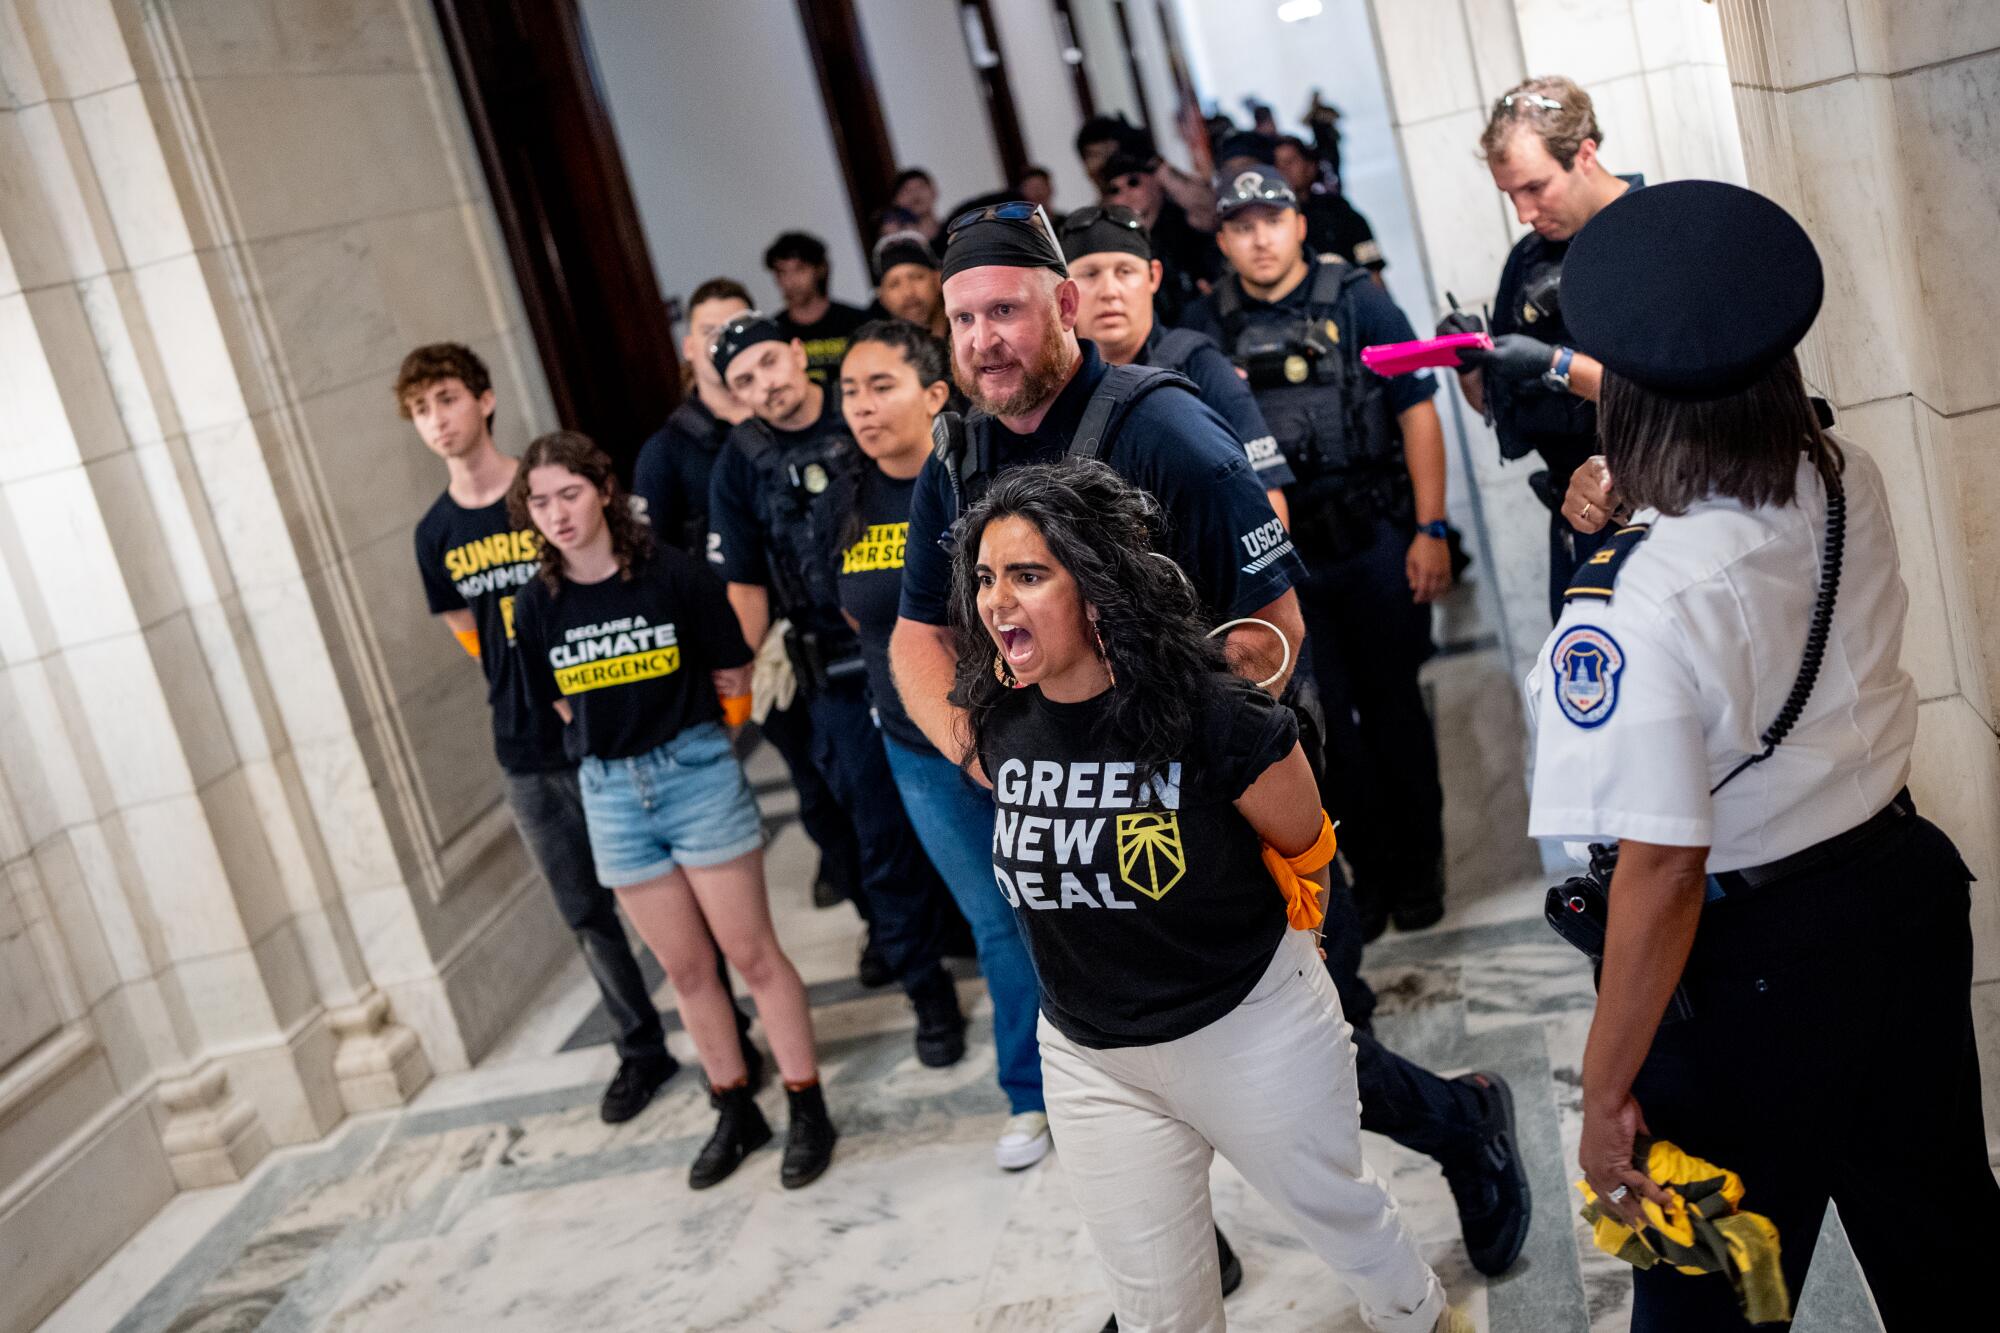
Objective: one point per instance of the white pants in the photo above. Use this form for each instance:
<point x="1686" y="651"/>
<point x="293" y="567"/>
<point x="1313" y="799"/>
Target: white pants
<point x="1271" y="1086"/>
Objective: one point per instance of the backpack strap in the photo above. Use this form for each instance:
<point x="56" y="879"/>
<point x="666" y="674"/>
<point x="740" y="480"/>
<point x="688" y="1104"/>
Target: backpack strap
<point x="1228" y="296"/>
<point x="1115" y="395"/>
<point x="1177" y="347"/>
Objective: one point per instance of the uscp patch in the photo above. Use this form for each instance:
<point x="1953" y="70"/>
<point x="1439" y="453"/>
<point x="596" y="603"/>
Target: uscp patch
<point x="1587" y="661"/>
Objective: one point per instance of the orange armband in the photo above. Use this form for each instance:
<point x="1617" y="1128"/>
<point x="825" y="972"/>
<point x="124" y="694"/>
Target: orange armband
<point x="735" y="709"/>
<point x="468" y="639"/>
<point x="1302" y="909"/>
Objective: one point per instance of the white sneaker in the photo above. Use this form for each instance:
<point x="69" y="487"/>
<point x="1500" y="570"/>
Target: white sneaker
<point x="1024" y="1140"/>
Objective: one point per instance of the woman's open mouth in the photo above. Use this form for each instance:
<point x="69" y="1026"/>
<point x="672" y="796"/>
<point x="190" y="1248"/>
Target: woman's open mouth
<point x="1017" y="643"/>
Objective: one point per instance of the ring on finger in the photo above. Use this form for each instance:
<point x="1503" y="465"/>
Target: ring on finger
<point x="1618" y="1195"/>
<point x="1584" y="513"/>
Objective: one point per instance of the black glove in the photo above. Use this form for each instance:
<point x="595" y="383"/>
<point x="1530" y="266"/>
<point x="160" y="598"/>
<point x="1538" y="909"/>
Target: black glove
<point x="1460" y="321"/>
<point x="1513" y="356"/>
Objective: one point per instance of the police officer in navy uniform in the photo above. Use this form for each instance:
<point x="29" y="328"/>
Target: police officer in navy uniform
<point x="1040" y="393"/>
<point x="1541" y="144"/>
<point x="1367" y="511"/>
<point x="1111" y="261"/>
<point x="1723" y="697"/>
<point x="781" y="492"/>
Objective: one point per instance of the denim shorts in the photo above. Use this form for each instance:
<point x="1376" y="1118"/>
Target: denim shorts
<point x="683" y="804"/>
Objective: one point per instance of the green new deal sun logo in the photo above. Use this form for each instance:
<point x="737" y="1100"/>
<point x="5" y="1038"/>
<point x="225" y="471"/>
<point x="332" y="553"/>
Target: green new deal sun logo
<point x="1150" y="856"/>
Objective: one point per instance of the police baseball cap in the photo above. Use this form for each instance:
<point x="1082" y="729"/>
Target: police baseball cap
<point x="741" y="333"/>
<point x="1692" y="289"/>
<point x="1103" y="228"/>
<point x="1248" y="146"/>
<point x="1248" y="189"/>
<point x="902" y="247"/>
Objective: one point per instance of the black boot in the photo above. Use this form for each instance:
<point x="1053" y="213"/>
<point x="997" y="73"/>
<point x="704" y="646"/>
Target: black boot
<point x="940" y="1022"/>
<point x="1421" y="904"/>
<point x="809" y="1144"/>
<point x="1489" y="1182"/>
<point x="740" y="1129"/>
<point x="872" y="969"/>
<point x="634" y="1085"/>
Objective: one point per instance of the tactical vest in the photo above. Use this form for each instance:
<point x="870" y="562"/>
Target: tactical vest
<point x="1528" y="415"/>
<point x="807" y="497"/>
<point x="1175" y="348"/>
<point x="1329" y="413"/>
<point x="965" y="447"/>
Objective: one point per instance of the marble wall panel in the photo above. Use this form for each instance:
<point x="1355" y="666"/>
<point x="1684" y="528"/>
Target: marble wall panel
<point x="287" y="981"/>
<point x="1694" y="125"/>
<point x="1887" y="429"/>
<point x="76" y="210"/>
<point x="20" y="81"/>
<point x="106" y="1190"/>
<point x="1955" y="778"/>
<point x="69" y="346"/>
<point x="78" y="47"/>
<point x="224" y="996"/>
<point x="1945" y="119"/>
<point x="1497" y="60"/>
<point x="252" y="37"/>
<point x="37" y="253"/>
<point x="127" y="166"/>
<point x="1463" y="219"/>
<point x="237" y="828"/>
<point x="85" y="953"/>
<point x="1891" y="36"/>
<point x="74" y="1088"/>
<point x="105" y="862"/>
<point x="1968" y="449"/>
<point x="110" y="306"/>
<point x="1986" y="1035"/>
<point x="119" y="699"/>
<point x="194" y="357"/>
<point x="34" y="432"/>
<point x="63" y="533"/>
<point x="377" y="476"/>
<point x="1665" y="31"/>
<point x="53" y="787"/>
<point x="1955" y="566"/>
<point x="1625" y="114"/>
<point x="1592" y="41"/>
<point x="375" y="166"/>
<point x="1427" y="65"/>
<point x="189" y="686"/>
<point x="28" y="1012"/>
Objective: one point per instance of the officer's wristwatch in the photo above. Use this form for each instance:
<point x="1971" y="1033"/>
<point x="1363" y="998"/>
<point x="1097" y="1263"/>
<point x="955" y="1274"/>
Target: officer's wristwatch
<point x="1556" y="377"/>
<point x="1437" y="528"/>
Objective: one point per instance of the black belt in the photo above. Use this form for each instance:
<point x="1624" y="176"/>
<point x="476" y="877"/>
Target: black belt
<point x="1820" y="854"/>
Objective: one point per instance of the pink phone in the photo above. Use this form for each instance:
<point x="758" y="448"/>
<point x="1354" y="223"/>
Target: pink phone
<point x="1402" y="358"/>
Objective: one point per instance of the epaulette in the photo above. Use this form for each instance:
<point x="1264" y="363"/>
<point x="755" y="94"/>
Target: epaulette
<point x="1597" y="576"/>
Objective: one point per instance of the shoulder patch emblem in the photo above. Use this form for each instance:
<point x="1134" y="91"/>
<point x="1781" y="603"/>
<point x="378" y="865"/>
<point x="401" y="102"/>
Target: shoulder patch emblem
<point x="1587" y="662"/>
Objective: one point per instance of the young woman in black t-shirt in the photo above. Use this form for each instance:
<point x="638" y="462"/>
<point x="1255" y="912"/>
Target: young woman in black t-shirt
<point x="1146" y="801"/>
<point x="632" y="642"/>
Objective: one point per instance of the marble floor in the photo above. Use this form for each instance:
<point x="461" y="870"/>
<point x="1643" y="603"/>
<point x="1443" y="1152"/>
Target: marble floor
<point x="498" y="1200"/>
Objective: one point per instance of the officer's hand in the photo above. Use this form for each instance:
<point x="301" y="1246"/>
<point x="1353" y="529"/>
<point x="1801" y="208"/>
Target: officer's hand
<point x="1513" y="356"/>
<point x="1428" y="568"/>
<point x="1605" y="1154"/>
<point x="1460" y="321"/>
<point x="1590" y="502"/>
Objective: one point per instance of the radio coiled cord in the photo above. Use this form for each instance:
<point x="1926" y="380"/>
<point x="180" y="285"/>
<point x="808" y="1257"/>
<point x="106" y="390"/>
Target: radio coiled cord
<point x="1816" y="636"/>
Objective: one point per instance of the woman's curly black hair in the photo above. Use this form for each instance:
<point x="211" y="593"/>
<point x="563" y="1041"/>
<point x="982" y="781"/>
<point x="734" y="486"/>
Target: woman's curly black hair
<point x="1103" y="531"/>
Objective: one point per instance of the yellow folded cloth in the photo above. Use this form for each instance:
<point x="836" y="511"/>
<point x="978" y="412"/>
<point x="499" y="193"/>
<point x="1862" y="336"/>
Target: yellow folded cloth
<point x="1701" y="1230"/>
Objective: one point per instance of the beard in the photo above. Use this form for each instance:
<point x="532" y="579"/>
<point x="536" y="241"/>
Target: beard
<point x="1042" y="375"/>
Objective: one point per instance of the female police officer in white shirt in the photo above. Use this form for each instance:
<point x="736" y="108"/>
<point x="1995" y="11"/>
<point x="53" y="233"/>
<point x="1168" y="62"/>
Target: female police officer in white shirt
<point x="1816" y="926"/>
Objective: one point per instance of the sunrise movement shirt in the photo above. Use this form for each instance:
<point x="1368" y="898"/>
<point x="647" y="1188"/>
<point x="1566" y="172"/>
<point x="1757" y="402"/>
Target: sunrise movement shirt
<point x="632" y="657"/>
<point x="473" y="560"/>
<point x="1148" y="912"/>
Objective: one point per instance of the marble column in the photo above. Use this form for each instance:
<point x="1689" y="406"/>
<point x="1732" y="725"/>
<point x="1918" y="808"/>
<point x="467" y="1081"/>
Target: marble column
<point x="1872" y="120"/>
<point x="258" y="874"/>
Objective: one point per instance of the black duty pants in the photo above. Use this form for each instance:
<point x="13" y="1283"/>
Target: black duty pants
<point x="1831" y="1056"/>
<point x="905" y="898"/>
<point x="1399" y="1099"/>
<point x="548" y="810"/>
<point x="790" y="732"/>
<point x="1366" y="640"/>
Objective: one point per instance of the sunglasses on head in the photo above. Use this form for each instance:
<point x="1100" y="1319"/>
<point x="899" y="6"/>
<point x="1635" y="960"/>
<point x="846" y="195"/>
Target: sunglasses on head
<point x="1083" y="219"/>
<point x="1018" y="211"/>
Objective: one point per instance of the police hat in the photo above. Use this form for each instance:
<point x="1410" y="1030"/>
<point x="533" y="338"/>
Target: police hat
<point x="1692" y="289"/>
<point x="1130" y="159"/>
<point x="1248" y="146"/>
<point x="1251" y="188"/>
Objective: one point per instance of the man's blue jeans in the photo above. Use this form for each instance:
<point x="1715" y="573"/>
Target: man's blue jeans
<point x="954" y="821"/>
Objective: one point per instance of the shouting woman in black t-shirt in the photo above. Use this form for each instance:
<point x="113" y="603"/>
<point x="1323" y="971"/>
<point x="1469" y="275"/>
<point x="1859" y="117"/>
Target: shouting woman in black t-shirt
<point x="1146" y="799"/>
<point x="632" y="643"/>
